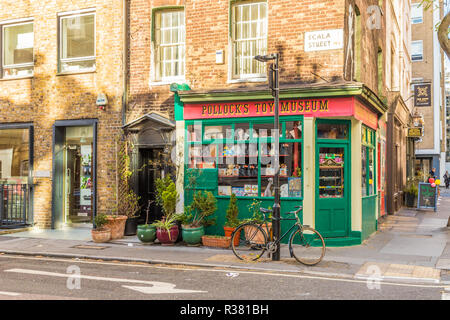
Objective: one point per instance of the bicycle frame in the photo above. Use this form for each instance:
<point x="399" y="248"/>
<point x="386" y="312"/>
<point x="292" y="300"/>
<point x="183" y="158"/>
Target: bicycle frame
<point x="277" y="242"/>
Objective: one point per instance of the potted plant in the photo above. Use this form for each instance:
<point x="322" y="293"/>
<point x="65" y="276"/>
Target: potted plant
<point x="167" y="196"/>
<point x="231" y="219"/>
<point x="197" y="216"/>
<point x="166" y="230"/>
<point x="146" y="232"/>
<point x="216" y="241"/>
<point x="101" y="233"/>
<point x="257" y="217"/>
<point x="411" y="191"/>
<point x="117" y="225"/>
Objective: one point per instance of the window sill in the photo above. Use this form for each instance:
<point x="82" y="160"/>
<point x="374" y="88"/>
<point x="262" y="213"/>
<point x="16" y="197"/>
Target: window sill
<point x="166" y="82"/>
<point x="68" y="73"/>
<point x="17" y="78"/>
<point x="247" y="80"/>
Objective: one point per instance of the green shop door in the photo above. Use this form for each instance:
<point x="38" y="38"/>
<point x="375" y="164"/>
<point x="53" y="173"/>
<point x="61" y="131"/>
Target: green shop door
<point x="332" y="190"/>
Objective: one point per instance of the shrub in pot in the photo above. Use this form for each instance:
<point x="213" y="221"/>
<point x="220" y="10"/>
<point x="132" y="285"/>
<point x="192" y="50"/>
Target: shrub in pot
<point x="197" y="216"/>
<point x="231" y="219"/>
<point x="146" y="232"/>
<point x="166" y="230"/>
<point x="101" y="233"/>
<point x="411" y="191"/>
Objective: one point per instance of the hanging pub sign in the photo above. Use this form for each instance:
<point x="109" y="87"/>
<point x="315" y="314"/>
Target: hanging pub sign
<point x="414" y="132"/>
<point x="422" y="95"/>
<point x="427" y="198"/>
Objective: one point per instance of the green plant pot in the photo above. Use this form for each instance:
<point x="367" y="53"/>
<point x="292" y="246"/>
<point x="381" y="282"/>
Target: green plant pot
<point x="146" y="233"/>
<point x="192" y="235"/>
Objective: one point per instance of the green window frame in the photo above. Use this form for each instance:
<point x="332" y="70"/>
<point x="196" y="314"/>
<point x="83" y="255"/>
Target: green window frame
<point x="198" y="141"/>
<point x="368" y="162"/>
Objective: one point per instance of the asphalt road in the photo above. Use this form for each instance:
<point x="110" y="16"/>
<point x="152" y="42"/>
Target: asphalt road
<point x="45" y="278"/>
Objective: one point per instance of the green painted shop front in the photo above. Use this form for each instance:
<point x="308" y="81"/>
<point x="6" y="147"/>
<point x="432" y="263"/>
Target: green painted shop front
<point x="318" y="153"/>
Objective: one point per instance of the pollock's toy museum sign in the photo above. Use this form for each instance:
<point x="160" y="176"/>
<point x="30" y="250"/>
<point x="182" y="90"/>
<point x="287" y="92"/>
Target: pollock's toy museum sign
<point x="328" y="107"/>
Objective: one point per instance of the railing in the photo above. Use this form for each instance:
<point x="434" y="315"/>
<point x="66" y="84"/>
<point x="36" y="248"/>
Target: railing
<point x="14" y="205"/>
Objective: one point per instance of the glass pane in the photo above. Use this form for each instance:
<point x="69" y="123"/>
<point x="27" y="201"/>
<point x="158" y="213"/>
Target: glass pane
<point x="293" y="130"/>
<point x="217" y="132"/>
<point x="264" y="130"/>
<point x="332" y="131"/>
<point x="78" y="36"/>
<point x="238" y="170"/>
<point x="364" y="171"/>
<point x="371" y="172"/>
<point x="331" y="172"/>
<point x="78" y="65"/>
<point x="241" y="131"/>
<point x="202" y="156"/>
<point x="78" y="174"/>
<point x="14" y="156"/>
<point x="194" y="132"/>
<point x="18" y="72"/>
<point x="18" y="44"/>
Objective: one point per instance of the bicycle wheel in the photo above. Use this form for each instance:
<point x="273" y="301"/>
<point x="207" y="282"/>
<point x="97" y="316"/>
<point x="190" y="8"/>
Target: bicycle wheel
<point x="252" y="241"/>
<point x="307" y="246"/>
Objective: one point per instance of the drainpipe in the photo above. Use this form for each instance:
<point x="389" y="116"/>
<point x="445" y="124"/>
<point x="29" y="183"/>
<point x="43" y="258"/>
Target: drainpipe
<point x="125" y="61"/>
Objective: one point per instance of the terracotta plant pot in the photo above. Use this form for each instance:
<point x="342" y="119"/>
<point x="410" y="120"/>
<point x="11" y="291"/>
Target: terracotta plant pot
<point x="163" y="235"/>
<point x="117" y="226"/>
<point x="228" y="231"/>
<point x="258" y="237"/>
<point x="217" y="242"/>
<point x="101" y="235"/>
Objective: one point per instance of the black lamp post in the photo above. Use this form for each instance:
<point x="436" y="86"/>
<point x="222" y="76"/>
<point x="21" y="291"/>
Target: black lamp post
<point x="274" y="86"/>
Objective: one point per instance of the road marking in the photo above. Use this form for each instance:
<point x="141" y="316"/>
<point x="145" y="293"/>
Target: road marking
<point x="157" y="286"/>
<point x="14" y="294"/>
<point x="266" y="273"/>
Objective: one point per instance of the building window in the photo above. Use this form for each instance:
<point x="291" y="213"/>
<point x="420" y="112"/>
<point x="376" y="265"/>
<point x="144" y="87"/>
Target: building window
<point x="169" y="45"/>
<point x="417" y="50"/>
<point x="368" y="143"/>
<point x="77" y="42"/>
<point x="249" y="38"/>
<point x="14" y="156"/>
<point x="17" y="50"/>
<point x="416" y="13"/>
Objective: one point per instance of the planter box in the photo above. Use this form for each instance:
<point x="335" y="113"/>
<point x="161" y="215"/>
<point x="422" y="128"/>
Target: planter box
<point x="222" y="242"/>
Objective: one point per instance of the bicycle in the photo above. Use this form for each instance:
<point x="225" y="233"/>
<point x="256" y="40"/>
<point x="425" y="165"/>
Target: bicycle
<point x="306" y="244"/>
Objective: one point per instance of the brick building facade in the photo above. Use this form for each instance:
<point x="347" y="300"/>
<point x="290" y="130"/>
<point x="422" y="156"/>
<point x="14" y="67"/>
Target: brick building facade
<point x="57" y="57"/>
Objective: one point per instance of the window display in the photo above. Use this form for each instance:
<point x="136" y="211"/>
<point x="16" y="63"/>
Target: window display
<point x="331" y="172"/>
<point x="332" y="131"/>
<point x="245" y="166"/>
<point x="367" y="161"/>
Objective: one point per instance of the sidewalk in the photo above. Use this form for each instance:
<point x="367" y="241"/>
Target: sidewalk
<point x="411" y="245"/>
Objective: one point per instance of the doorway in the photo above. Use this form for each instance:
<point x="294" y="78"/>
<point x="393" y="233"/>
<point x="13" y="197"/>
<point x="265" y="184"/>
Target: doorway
<point x="74" y="182"/>
<point x="150" y="170"/>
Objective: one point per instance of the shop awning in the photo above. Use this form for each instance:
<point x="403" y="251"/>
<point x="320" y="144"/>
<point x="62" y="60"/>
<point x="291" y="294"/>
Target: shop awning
<point x="152" y="129"/>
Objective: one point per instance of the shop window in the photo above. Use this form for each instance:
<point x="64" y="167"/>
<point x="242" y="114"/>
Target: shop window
<point x="17" y="44"/>
<point x="194" y="132"/>
<point x="14" y="155"/>
<point x="245" y="164"/>
<point x="169" y="45"/>
<point x="249" y="38"/>
<point x="332" y="131"/>
<point x="77" y="42"/>
<point x="367" y="161"/>
<point x="364" y="171"/>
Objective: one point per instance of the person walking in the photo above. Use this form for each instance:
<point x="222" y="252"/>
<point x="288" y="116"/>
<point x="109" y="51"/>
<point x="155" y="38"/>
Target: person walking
<point x="446" y="179"/>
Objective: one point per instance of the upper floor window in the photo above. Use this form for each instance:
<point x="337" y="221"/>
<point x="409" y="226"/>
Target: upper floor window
<point x="417" y="50"/>
<point x="416" y="13"/>
<point x="249" y="38"/>
<point x="17" y="50"/>
<point x="77" y="42"/>
<point x="169" y="45"/>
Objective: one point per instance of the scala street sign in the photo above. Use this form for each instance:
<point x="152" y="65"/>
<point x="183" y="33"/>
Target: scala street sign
<point x="415" y="132"/>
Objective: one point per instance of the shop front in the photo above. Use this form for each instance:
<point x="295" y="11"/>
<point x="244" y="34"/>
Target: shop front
<point x="328" y="147"/>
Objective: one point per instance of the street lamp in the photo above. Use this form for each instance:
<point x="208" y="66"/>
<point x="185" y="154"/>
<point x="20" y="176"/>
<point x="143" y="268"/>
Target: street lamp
<point x="274" y="86"/>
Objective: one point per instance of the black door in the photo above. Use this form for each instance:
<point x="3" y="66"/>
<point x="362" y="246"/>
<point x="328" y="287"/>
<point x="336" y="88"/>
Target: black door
<point x="150" y="170"/>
